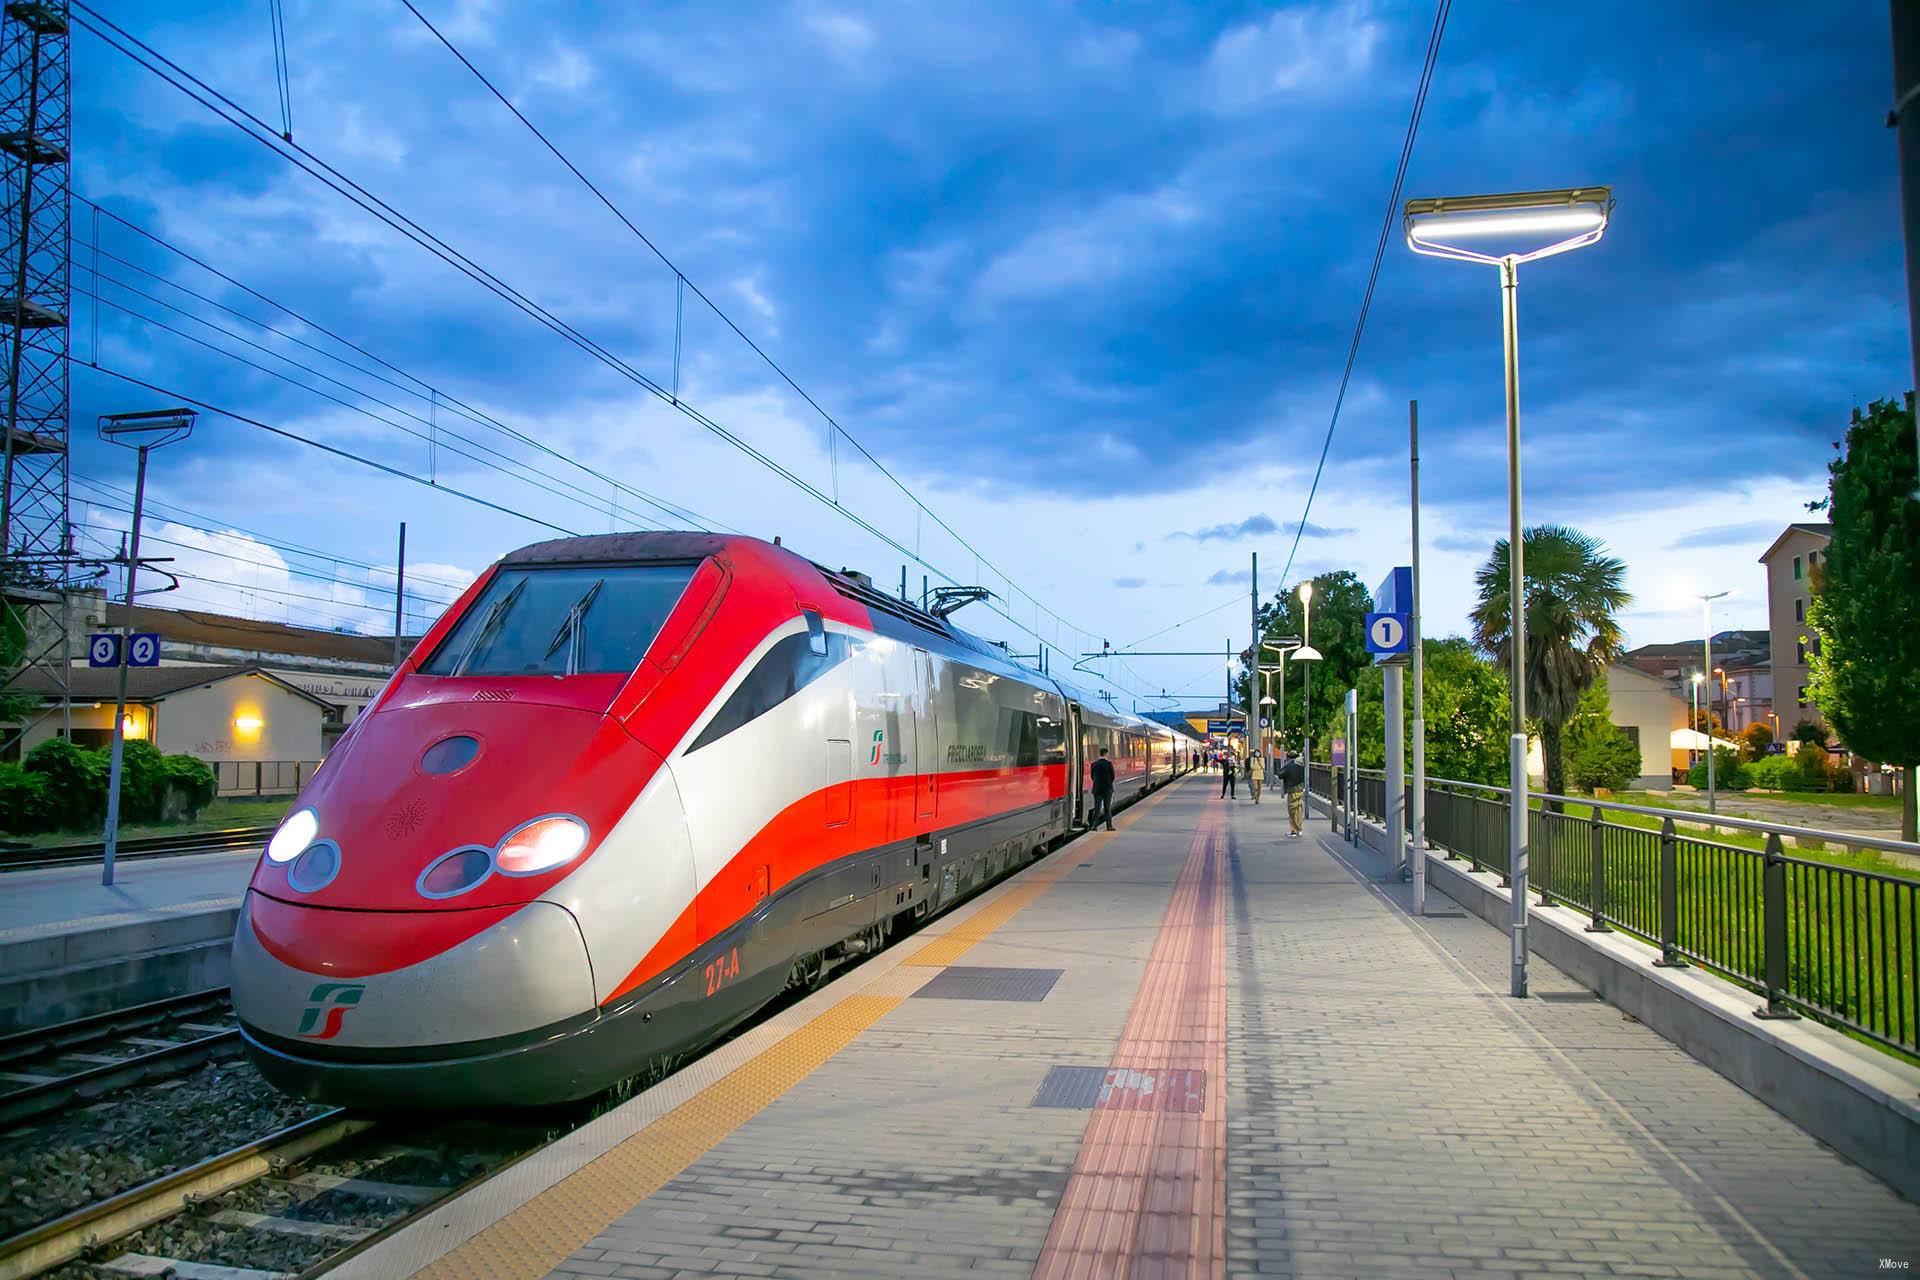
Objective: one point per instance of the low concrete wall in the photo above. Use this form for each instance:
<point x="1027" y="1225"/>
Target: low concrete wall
<point x="53" y="976"/>
<point x="1863" y="1103"/>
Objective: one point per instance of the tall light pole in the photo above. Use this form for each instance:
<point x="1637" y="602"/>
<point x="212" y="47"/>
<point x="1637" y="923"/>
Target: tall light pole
<point x="1706" y="641"/>
<point x="1692" y="750"/>
<point x="1307" y="653"/>
<point x="142" y="432"/>
<point x="1553" y="222"/>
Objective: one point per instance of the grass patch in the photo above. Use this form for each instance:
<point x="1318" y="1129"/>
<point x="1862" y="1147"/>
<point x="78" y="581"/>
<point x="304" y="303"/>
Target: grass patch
<point x="1799" y="799"/>
<point x="217" y="816"/>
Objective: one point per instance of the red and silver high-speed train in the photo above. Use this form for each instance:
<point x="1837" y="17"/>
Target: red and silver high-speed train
<point x="624" y="792"/>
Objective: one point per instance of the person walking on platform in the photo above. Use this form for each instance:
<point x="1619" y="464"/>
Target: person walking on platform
<point x="1294" y="778"/>
<point x="1226" y="775"/>
<point x="1102" y="771"/>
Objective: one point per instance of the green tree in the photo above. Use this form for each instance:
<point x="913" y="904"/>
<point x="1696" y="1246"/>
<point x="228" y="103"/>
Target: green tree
<point x="1599" y="755"/>
<point x="1466" y="715"/>
<point x="1754" y="741"/>
<point x="1573" y="591"/>
<point x="1865" y="613"/>
<point x="1340" y="605"/>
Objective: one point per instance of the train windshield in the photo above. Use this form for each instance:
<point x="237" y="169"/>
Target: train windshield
<point x="562" y="620"/>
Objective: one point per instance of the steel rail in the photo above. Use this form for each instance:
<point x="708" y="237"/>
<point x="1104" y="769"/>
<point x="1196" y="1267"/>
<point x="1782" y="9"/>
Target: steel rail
<point x="31" y="858"/>
<point x="70" y="1235"/>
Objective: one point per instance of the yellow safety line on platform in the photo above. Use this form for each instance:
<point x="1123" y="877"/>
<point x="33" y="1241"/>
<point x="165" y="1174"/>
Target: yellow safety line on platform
<point x="538" y="1236"/>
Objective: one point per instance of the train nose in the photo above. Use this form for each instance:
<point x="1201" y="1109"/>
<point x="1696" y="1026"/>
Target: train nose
<point x="320" y="983"/>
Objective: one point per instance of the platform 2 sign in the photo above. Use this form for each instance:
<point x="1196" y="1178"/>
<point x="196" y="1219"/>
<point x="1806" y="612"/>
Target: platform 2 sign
<point x="103" y="649"/>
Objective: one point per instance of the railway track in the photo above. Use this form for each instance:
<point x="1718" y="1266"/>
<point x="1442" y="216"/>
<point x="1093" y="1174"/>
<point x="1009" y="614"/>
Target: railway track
<point x="33" y="858"/>
<point x="49" y="1068"/>
<point x="288" y="1204"/>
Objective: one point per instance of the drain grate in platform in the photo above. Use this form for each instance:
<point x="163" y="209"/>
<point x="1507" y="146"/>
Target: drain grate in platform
<point x="1123" y="1089"/>
<point x="983" y="982"/>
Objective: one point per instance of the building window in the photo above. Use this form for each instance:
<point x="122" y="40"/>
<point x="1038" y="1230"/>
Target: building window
<point x="1800" y="652"/>
<point x="1633" y="730"/>
<point x="1799" y="610"/>
<point x="1803" y="695"/>
<point x="1813" y="558"/>
<point x="1796" y="568"/>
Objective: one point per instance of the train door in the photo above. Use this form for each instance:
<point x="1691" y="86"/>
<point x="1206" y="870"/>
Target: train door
<point x="926" y="739"/>
<point x="1076" y="766"/>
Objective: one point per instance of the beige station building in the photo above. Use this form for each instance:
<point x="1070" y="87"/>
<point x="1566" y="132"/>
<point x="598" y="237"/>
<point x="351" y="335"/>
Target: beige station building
<point x="262" y="702"/>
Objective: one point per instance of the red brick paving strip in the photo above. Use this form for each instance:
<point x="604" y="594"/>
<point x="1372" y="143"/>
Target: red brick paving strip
<point x="1148" y="1195"/>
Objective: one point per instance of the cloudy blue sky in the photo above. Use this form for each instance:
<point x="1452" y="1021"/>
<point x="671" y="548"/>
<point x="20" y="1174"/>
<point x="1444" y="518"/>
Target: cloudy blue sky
<point x="1081" y="277"/>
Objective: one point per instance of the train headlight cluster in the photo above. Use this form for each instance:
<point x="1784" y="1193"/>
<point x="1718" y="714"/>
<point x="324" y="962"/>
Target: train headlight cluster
<point x="530" y="848"/>
<point x="294" y="835"/>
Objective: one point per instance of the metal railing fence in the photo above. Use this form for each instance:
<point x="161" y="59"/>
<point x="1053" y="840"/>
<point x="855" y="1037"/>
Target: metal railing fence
<point x="1833" y="942"/>
<point x="261" y="777"/>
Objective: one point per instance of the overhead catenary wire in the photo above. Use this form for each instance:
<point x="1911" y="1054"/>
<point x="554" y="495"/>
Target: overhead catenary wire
<point x="144" y="55"/>
<point x="835" y="429"/>
<point x="119" y="499"/>
<point x="1373" y="274"/>
<point x="436" y="396"/>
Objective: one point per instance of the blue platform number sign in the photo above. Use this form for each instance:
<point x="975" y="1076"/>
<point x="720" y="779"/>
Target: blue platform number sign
<point x="103" y="649"/>
<point x="143" y="649"/>
<point x="1386" y="633"/>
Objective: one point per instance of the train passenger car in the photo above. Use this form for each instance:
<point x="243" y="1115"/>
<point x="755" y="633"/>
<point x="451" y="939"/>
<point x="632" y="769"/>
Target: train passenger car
<point x="627" y="790"/>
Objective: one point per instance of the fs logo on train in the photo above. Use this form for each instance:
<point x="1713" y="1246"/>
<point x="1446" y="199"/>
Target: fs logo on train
<point x="327" y="1007"/>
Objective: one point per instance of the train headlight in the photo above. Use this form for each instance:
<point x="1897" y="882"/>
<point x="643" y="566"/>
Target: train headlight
<point x="294" y="835"/>
<point x="541" y="845"/>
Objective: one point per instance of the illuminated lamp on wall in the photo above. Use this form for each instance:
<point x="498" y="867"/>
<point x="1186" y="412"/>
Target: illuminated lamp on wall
<point x="247" y="725"/>
<point x="132" y="727"/>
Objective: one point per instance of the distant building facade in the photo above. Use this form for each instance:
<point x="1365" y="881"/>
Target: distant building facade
<point x="1741" y="691"/>
<point x="1791" y="562"/>
<point x="1649" y="709"/>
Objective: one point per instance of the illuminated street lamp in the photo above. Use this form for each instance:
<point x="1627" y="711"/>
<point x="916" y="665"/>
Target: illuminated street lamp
<point x="1306" y="653"/>
<point x="1693" y="749"/>
<point x="1706" y="623"/>
<point x="1467" y="228"/>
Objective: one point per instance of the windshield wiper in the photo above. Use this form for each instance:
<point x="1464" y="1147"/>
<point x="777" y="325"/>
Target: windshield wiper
<point x="571" y="632"/>
<point x="482" y="633"/>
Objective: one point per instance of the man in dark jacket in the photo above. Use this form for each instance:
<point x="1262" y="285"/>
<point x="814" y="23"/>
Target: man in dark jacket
<point x="1227" y="770"/>
<point x="1102" y="771"/>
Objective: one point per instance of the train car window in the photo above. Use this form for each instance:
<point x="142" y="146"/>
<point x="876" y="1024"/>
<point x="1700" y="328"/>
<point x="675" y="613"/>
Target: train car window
<point x="1021" y="737"/>
<point x="566" y="620"/>
<point x="1053" y="741"/>
<point x="790" y="666"/>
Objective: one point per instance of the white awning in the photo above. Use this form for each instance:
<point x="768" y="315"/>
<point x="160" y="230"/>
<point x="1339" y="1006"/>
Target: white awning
<point x="1694" y="740"/>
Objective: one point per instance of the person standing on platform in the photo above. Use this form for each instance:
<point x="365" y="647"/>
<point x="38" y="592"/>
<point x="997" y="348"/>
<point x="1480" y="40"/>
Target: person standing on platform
<point x="1226" y="775"/>
<point x="1256" y="772"/>
<point x="1294" y="778"/>
<point x="1102" y="771"/>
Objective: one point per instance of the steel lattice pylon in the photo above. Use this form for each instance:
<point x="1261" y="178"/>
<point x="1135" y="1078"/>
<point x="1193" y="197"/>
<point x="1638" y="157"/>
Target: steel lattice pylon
<point x="35" y="533"/>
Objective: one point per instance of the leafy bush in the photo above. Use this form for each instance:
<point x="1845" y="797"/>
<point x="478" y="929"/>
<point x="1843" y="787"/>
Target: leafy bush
<point x="1729" y="773"/>
<point x="75" y="781"/>
<point x="143" y="783"/>
<point x="1811" y="733"/>
<point x="23" y="801"/>
<point x="1754" y="741"/>
<point x="1603" y="759"/>
<point x="192" y="777"/>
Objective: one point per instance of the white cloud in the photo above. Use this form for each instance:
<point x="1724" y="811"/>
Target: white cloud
<point x="748" y="287"/>
<point x="844" y="34"/>
<point x="1115" y="238"/>
<point x="566" y="70"/>
<point x="1303" y="51"/>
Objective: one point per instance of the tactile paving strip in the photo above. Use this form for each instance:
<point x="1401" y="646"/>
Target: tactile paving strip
<point x="985" y="982"/>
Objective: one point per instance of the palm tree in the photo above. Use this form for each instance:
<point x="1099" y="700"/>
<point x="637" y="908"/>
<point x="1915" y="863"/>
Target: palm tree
<point x="1573" y="590"/>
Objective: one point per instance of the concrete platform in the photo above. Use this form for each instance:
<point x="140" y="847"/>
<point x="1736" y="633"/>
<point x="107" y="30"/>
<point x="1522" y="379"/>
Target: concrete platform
<point x="1194" y="1047"/>
<point x="71" y="946"/>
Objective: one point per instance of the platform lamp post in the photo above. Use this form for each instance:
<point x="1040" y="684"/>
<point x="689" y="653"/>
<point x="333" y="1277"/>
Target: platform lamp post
<point x="1307" y="653"/>
<point x="142" y="432"/>
<point x="1706" y="623"/>
<point x="1693" y="750"/>
<point x="1460" y="227"/>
